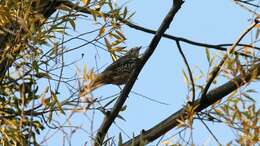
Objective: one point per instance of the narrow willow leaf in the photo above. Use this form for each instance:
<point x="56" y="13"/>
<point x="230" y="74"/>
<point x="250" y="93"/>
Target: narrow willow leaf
<point x="113" y="56"/>
<point x="208" y="56"/>
<point x="72" y="23"/>
<point x="43" y="75"/>
<point x="120" y="140"/>
<point x="121" y="34"/>
<point x="129" y="17"/>
<point x="125" y="13"/>
<point x="117" y="49"/>
<point x="115" y="36"/>
<point x="54" y="97"/>
<point x="117" y="42"/>
<point x="186" y="80"/>
<point x="93" y="12"/>
<point x="107" y="44"/>
<point x="102" y="31"/>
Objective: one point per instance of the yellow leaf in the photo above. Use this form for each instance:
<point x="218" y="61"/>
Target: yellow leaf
<point x="102" y="31"/>
<point x="91" y="75"/>
<point x="45" y="101"/>
<point x="109" y="47"/>
<point x="117" y="42"/>
<point x="218" y="112"/>
<point x="85" y="76"/>
<point x="117" y="49"/>
<point x="113" y="55"/>
<point x="93" y="12"/>
<point x="257" y="26"/>
<point x="86" y="2"/>
<point x="115" y="35"/>
<point x="246" y="50"/>
<point x="55" y="99"/>
<point x="121" y="34"/>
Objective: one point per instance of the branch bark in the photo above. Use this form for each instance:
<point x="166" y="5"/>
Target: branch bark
<point x="212" y="97"/>
<point x="109" y="119"/>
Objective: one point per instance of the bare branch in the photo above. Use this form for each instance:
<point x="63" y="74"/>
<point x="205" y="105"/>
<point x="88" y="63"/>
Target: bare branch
<point x="176" y="38"/>
<point x="189" y="70"/>
<point x="212" y="97"/>
<point x="211" y="133"/>
<point x="109" y="119"/>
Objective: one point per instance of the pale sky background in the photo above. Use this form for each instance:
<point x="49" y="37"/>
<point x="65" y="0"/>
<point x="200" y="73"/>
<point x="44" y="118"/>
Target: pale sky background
<point x="209" y="21"/>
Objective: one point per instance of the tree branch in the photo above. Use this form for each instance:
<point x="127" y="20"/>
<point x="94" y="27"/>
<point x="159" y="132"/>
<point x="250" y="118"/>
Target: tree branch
<point x="189" y="71"/>
<point x="175" y="38"/>
<point x="216" y="70"/>
<point x="212" y="97"/>
<point x="109" y="119"/>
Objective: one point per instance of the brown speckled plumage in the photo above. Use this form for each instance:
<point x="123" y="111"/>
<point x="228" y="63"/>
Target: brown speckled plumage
<point x="119" y="71"/>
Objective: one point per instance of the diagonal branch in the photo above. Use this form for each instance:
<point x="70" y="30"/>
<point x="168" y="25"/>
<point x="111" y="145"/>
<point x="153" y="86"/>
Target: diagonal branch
<point x="212" y="97"/>
<point x="216" y="70"/>
<point x="109" y="119"/>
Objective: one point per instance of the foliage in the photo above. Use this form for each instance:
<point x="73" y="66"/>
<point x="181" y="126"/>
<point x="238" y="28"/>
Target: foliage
<point x="32" y="61"/>
<point x="36" y="88"/>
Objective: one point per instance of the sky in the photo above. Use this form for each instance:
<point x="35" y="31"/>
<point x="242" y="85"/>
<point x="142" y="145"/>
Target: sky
<point x="214" y="22"/>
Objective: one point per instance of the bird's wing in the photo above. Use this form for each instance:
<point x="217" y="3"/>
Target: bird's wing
<point x="124" y="64"/>
<point x="117" y="63"/>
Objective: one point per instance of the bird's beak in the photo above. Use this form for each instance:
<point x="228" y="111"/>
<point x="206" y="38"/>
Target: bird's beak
<point x="138" y="48"/>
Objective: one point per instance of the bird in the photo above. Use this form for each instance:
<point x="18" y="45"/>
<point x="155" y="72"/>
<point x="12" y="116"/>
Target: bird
<point x="119" y="71"/>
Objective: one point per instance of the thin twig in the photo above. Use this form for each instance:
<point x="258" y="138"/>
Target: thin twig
<point x="189" y="70"/>
<point x="211" y="133"/>
<point x="149" y="98"/>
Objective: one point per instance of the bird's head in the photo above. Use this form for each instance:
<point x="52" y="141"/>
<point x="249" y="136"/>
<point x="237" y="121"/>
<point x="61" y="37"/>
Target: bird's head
<point x="134" y="52"/>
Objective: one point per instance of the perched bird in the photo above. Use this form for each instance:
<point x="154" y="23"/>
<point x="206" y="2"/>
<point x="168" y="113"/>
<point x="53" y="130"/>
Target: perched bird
<point x="119" y="71"/>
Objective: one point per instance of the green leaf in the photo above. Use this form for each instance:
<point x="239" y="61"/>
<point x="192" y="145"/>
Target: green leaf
<point x="125" y="13"/>
<point x="72" y="23"/>
<point x="185" y="77"/>
<point x="57" y="103"/>
<point x="43" y="75"/>
<point x="208" y="56"/>
<point x="35" y="66"/>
